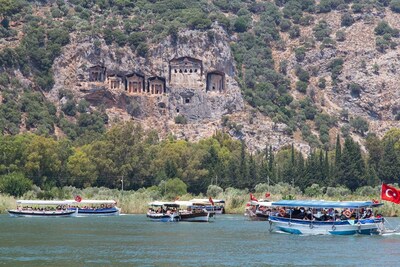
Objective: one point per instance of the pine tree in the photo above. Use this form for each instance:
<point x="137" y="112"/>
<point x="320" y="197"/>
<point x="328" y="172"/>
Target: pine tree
<point x="244" y="170"/>
<point x="299" y="170"/>
<point x="338" y="151"/>
<point x="351" y="172"/>
<point x="271" y="165"/>
<point x="375" y="149"/>
<point x="389" y="166"/>
<point x="338" y="157"/>
<point x="325" y="168"/>
<point x="253" y="173"/>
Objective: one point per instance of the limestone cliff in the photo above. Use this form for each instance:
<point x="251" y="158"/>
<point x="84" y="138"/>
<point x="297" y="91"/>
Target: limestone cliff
<point x="193" y="101"/>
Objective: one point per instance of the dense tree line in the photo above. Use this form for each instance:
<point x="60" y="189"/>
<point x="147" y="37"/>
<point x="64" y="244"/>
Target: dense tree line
<point x="126" y="152"/>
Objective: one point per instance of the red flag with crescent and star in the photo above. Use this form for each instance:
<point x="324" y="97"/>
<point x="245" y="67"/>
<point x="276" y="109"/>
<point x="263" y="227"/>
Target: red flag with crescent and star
<point x="78" y="199"/>
<point x="253" y="198"/>
<point x="211" y="201"/>
<point x="390" y="193"/>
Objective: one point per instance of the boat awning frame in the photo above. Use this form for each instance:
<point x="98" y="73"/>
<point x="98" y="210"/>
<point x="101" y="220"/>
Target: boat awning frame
<point x="325" y="204"/>
<point x="163" y="203"/>
<point x="92" y="201"/>
<point x="207" y="200"/>
<point x="42" y="202"/>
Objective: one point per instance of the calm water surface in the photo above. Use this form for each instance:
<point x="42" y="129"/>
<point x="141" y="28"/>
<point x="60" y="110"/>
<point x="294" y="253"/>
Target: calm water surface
<point x="230" y="240"/>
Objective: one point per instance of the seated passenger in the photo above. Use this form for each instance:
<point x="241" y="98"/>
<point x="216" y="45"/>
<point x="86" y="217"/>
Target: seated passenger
<point x="325" y="216"/>
<point x="296" y="214"/>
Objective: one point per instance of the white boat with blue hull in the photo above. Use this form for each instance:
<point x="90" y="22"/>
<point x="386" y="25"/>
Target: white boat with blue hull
<point x="160" y="211"/>
<point x="356" y="222"/>
<point x="42" y="208"/>
<point x="95" y="207"/>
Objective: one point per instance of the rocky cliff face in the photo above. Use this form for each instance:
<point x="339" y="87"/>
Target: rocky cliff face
<point x="73" y="67"/>
<point x="206" y="90"/>
<point x="202" y="97"/>
<point x="375" y="72"/>
<point x="194" y="101"/>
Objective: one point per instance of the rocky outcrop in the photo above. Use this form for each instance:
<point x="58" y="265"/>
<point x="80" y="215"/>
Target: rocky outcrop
<point x="373" y="73"/>
<point x="72" y="72"/>
<point x="203" y="93"/>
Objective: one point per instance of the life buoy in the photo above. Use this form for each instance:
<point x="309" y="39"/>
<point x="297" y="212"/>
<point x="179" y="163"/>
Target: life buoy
<point x="347" y="213"/>
<point x="102" y="206"/>
<point x="282" y="212"/>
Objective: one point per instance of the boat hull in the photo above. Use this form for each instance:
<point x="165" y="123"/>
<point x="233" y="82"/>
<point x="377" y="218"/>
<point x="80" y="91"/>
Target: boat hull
<point x="196" y="217"/>
<point x="256" y="216"/>
<point x="160" y="217"/>
<point x="19" y="213"/>
<point x="99" y="212"/>
<point x="348" y="227"/>
<point x="215" y="209"/>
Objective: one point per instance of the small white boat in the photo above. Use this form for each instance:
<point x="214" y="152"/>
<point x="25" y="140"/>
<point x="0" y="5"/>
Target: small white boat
<point x="42" y="208"/>
<point x="160" y="211"/>
<point x="217" y="208"/>
<point x="292" y="218"/>
<point x="89" y="207"/>
<point x="193" y="212"/>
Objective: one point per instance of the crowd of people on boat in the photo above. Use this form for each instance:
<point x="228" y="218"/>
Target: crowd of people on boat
<point x="162" y="210"/>
<point x="64" y="207"/>
<point x="172" y="210"/>
<point x="258" y="209"/>
<point x="324" y="214"/>
<point x="94" y="207"/>
<point x="49" y="208"/>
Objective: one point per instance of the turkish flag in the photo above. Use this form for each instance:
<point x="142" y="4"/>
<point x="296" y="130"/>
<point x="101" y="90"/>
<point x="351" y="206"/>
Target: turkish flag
<point x="211" y="201"/>
<point x="390" y="193"/>
<point x="78" y="199"/>
<point x="267" y="195"/>
<point x="253" y="198"/>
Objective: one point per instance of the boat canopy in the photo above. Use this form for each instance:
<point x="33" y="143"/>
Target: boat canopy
<point x="191" y="203"/>
<point x="260" y="203"/>
<point x="92" y="201"/>
<point x="206" y="200"/>
<point x="265" y="203"/>
<point x="324" y="204"/>
<point x="42" y="202"/>
<point x="163" y="203"/>
<point x="183" y="203"/>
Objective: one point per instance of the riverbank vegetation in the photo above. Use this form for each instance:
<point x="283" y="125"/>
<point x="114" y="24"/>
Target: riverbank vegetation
<point x="34" y="166"/>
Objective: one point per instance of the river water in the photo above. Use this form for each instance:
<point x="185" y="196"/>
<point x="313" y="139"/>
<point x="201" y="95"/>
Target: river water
<point x="132" y="240"/>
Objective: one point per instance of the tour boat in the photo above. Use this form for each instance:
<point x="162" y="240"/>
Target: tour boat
<point x="194" y="212"/>
<point x="258" y="210"/>
<point x="160" y="211"/>
<point x="93" y="207"/>
<point x="217" y="208"/>
<point x="312" y="217"/>
<point x="42" y="208"/>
